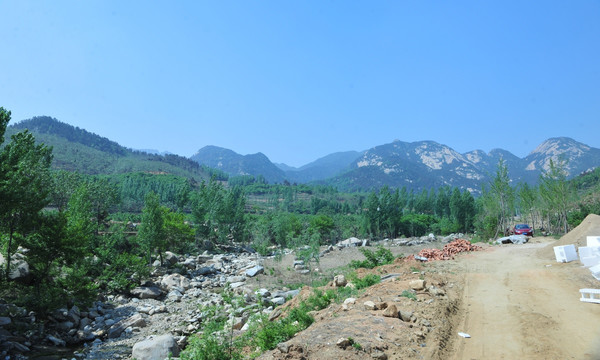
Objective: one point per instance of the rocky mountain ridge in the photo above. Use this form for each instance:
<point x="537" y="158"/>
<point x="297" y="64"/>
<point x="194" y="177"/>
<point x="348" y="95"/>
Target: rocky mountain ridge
<point x="416" y="165"/>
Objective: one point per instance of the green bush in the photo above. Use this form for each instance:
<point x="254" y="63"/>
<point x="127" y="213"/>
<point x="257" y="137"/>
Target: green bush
<point x="382" y="256"/>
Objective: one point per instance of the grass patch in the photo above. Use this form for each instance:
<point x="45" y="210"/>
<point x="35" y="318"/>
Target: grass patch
<point x="364" y="282"/>
<point x="409" y="294"/>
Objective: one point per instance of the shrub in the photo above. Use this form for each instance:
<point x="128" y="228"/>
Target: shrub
<point x="382" y="256"/>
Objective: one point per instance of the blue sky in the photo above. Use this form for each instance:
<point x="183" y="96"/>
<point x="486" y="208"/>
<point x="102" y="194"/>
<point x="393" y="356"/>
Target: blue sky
<point x="298" y="80"/>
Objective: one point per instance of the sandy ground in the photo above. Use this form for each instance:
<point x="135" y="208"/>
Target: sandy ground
<point x="518" y="305"/>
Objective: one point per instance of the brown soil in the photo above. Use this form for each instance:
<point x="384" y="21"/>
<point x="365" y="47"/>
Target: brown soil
<point x="513" y="300"/>
<point x="516" y="305"/>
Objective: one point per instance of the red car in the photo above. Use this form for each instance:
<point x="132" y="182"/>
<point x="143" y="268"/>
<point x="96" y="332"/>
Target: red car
<point x="523" y="229"/>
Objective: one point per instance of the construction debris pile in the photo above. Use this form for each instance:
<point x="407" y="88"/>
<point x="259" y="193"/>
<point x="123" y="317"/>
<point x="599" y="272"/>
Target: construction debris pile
<point x="448" y="252"/>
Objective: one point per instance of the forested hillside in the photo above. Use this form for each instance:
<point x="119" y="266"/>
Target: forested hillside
<point x="78" y="150"/>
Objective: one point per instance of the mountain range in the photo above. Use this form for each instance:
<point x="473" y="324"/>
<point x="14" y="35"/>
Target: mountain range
<point x="415" y="165"/>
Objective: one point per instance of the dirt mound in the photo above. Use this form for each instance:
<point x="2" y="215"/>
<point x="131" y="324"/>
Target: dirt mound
<point x="590" y="226"/>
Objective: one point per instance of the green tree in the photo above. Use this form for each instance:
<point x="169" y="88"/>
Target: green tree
<point x="65" y="184"/>
<point x="322" y="225"/>
<point x="503" y="194"/>
<point x="528" y="198"/>
<point x="25" y="183"/>
<point x="103" y="195"/>
<point x="372" y="215"/>
<point x="557" y="193"/>
<point x="79" y="215"/>
<point x="151" y="229"/>
<point x="178" y="234"/>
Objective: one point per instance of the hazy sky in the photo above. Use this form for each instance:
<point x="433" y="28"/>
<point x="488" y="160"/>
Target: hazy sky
<point x="298" y="80"/>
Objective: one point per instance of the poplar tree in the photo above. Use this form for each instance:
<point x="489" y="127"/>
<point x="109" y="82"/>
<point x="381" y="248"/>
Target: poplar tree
<point x="151" y="229"/>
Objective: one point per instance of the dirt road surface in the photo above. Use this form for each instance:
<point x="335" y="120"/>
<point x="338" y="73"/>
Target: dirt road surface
<point x="517" y="305"/>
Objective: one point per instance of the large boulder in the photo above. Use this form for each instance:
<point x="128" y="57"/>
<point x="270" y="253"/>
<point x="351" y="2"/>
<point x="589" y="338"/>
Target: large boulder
<point x="252" y="272"/>
<point x="156" y="348"/>
<point x="19" y="268"/>
<point x="134" y="321"/>
<point x="173" y="281"/>
<point x="146" y="292"/>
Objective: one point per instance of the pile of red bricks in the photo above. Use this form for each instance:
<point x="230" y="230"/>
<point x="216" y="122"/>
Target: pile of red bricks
<point x="449" y="251"/>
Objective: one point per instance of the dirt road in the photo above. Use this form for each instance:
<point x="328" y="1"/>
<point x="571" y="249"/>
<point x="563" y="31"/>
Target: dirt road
<point x="518" y="306"/>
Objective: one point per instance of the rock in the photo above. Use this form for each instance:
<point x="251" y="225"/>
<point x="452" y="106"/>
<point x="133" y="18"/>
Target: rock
<point x="134" y="321"/>
<point x="65" y="326"/>
<point x="436" y="291"/>
<point x="381" y="306"/>
<point x="19" y="268"/>
<point x="339" y="281"/>
<point x="84" y="322"/>
<point x="278" y="300"/>
<point x="369" y="305"/>
<point x="74" y="315"/>
<point x="343" y="343"/>
<point x="19" y="347"/>
<point x="56" y="341"/>
<point x="379" y="355"/>
<point x="391" y="311"/>
<point x="263" y="293"/>
<point x="349" y="301"/>
<point x="275" y="314"/>
<point x="283" y="347"/>
<point x="170" y="258"/>
<point x="175" y="280"/>
<point x="406" y="316"/>
<point x="299" y="267"/>
<point x="290" y="293"/>
<point x="350" y="242"/>
<point x="252" y="272"/>
<point x="156" y="348"/>
<point x="417" y="284"/>
<point x="146" y="292"/>
<point x="4" y="320"/>
<point x="239" y="322"/>
<point x="303" y="272"/>
<point x="236" y="285"/>
<point x="206" y="270"/>
<point x="190" y="263"/>
<point x="235" y="279"/>
<point x="175" y="295"/>
<point x="298" y="262"/>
